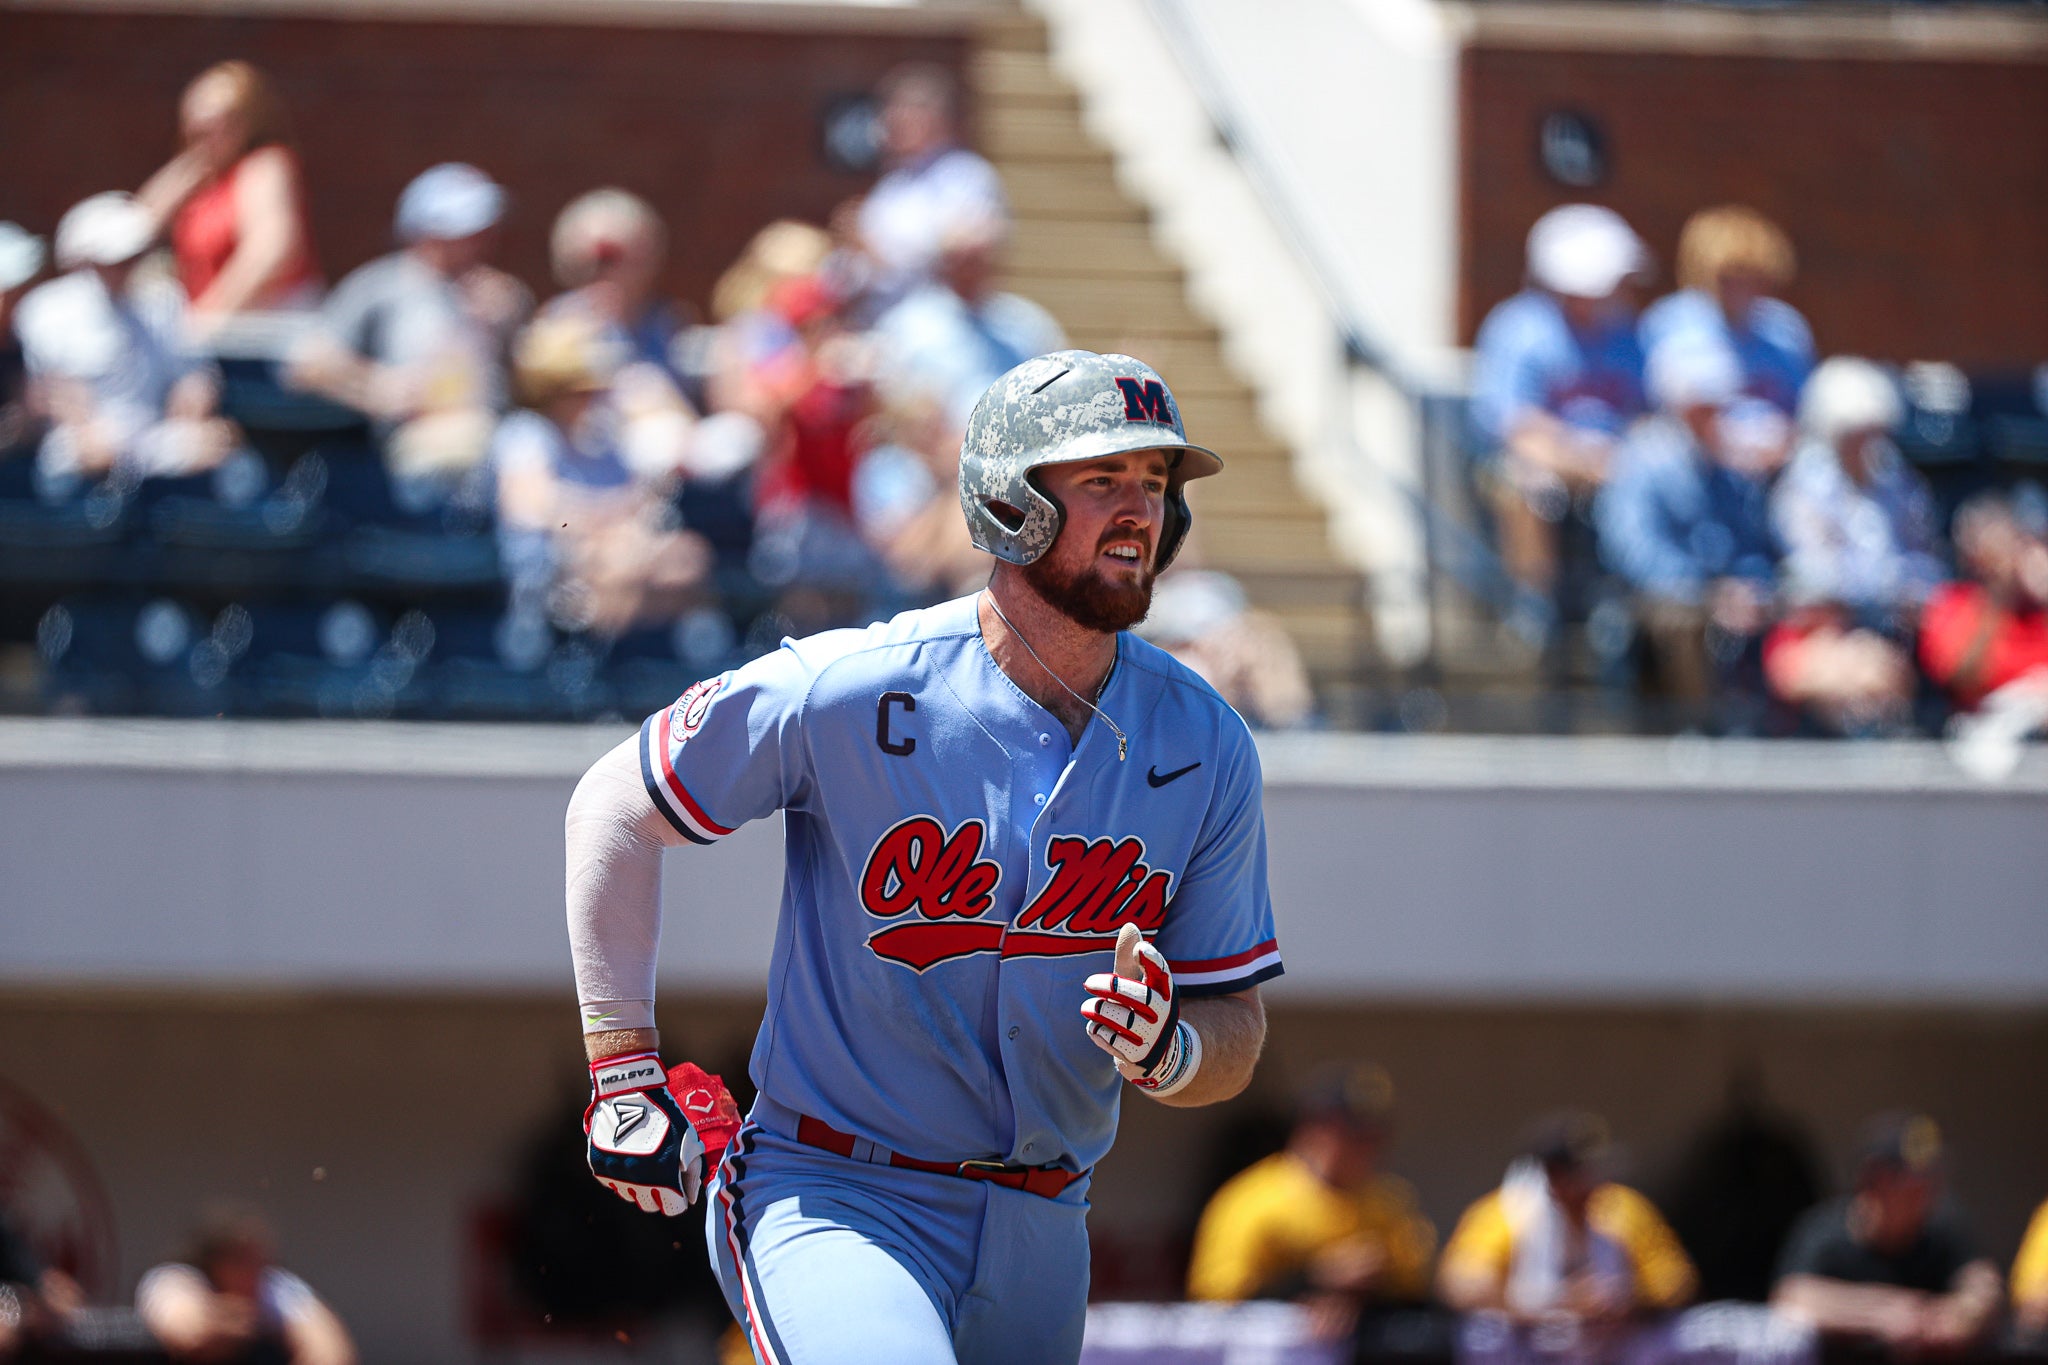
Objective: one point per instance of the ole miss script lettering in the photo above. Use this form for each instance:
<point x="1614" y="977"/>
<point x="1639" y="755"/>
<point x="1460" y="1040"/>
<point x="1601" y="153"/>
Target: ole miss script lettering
<point x="938" y="886"/>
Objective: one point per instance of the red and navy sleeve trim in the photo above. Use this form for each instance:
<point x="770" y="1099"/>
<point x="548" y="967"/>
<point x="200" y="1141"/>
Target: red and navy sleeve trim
<point x="670" y="797"/>
<point x="1197" y="977"/>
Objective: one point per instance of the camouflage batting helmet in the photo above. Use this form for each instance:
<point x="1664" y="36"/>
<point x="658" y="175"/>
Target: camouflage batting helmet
<point x="1061" y="409"/>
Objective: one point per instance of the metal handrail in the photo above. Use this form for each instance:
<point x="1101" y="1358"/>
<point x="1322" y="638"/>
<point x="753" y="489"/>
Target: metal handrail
<point x="1361" y="347"/>
<point x="1448" y="545"/>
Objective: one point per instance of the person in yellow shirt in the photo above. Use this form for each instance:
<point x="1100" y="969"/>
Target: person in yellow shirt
<point x="1562" y="1246"/>
<point x="1319" y="1222"/>
<point x="2030" y="1280"/>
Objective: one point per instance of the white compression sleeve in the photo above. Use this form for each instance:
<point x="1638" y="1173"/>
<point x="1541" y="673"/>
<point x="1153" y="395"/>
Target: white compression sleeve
<point x="615" y="840"/>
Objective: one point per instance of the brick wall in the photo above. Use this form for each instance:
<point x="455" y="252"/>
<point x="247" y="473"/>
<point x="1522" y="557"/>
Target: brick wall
<point x="1916" y="191"/>
<point x="718" y="128"/>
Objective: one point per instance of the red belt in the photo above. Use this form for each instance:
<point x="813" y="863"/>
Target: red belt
<point x="1044" y="1181"/>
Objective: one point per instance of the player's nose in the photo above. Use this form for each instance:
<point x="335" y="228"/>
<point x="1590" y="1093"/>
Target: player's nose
<point x="1133" y="505"/>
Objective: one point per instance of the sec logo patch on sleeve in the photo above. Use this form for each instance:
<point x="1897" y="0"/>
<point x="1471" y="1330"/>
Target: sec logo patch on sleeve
<point x="686" y="717"/>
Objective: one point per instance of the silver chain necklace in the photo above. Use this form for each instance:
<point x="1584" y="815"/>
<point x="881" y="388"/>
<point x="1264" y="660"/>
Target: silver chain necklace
<point x="1123" y="745"/>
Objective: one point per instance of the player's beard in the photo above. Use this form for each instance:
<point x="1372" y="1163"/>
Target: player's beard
<point x="1088" y="599"/>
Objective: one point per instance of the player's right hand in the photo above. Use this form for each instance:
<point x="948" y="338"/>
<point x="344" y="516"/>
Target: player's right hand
<point x="653" y="1134"/>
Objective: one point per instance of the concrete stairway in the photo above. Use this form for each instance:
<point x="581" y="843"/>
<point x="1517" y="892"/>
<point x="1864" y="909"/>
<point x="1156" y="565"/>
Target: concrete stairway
<point x="1083" y="250"/>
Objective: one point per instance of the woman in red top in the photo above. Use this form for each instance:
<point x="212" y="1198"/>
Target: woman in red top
<point x="1977" y="637"/>
<point x="233" y="200"/>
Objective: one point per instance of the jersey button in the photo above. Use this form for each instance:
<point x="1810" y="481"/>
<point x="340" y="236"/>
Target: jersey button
<point x="1045" y="741"/>
<point x="1014" y="1030"/>
<point x="1038" y="800"/>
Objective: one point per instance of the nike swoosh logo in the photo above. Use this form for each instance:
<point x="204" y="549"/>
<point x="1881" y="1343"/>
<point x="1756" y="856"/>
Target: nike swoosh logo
<point x="1159" y="779"/>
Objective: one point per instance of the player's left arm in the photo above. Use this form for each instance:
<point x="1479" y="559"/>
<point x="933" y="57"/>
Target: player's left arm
<point x="1180" y="1014"/>
<point x="1233" y="1033"/>
<point x="1183" y="1053"/>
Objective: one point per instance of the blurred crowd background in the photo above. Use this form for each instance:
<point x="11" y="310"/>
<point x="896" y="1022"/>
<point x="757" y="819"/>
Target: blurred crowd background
<point x="1762" y="540"/>
<point x="242" y="474"/>
<point x="234" y="486"/>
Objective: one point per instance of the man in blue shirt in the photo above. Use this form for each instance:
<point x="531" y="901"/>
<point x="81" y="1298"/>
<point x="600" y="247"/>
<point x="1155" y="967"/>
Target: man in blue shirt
<point x="1730" y="261"/>
<point x="1689" y="529"/>
<point x="957" y="333"/>
<point x="1557" y="380"/>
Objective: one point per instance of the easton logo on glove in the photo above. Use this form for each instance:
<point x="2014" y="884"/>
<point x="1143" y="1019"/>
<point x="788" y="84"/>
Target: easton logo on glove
<point x="653" y="1134"/>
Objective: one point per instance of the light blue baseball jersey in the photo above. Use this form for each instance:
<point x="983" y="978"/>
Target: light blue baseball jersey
<point x="955" y="868"/>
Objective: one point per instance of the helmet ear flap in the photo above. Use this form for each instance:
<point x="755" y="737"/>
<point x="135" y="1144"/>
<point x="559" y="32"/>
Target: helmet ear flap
<point x="1174" y="529"/>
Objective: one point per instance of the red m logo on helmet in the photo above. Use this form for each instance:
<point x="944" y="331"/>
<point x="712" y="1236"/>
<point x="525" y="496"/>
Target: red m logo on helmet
<point x="1145" y="400"/>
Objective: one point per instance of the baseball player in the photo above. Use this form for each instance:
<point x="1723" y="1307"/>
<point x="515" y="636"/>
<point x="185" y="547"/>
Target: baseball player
<point x="1025" y="866"/>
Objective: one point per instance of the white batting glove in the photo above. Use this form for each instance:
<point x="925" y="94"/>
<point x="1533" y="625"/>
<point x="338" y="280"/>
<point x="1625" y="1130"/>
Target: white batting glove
<point x="1133" y="1016"/>
<point x="654" y="1133"/>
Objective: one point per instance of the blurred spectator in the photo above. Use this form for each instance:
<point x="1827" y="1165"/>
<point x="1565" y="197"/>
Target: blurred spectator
<point x="417" y="339"/>
<point x="609" y="246"/>
<point x="1989" y="633"/>
<point x="1560" y="1243"/>
<point x="1843" y="677"/>
<point x="34" y="1299"/>
<point x="1557" y="378"/>
<point x="784" y="250"/>
<point x="1202" y="618"/>
<point x="608" y="249"/>
<point x="816" y="386"/>
<point x="233" y="200"/>
<point x="956" y="334"/>
<point x="1731" y="260"/>
<point x="588" y="539"/>
<point x="931" y="182"/>
<point x="906" y="496"/>
<point x="1891" y="1265"/>
<point x="2030" y="1281"/>
<point x="1687" y="525"/>
<point x="21" y="260"/>
<point x="108" y="362"/>
<point x="1320" y="1222"/>
<point x="231" y="1304"/>
<point x="1857" y="525"/>
<point x="813" y="400"/>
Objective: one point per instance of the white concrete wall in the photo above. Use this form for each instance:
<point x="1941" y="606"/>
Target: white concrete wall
<point x="1344" y="114"/>
<point x="232" y="955"/>
<point x="206" y="854"/>
<point x="1353" y="106"/>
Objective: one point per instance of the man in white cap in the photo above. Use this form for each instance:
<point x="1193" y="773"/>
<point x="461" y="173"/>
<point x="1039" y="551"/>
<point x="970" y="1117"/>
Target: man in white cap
<point x="417" y="340"/>
<point x="1861" y="556"/>
<point x="1557" y="379"/>
<point x="1686" y="522"/>
<point x="107" y="359"/>
<point x="1858" y="524"/>
<point x="21" y="260"/>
